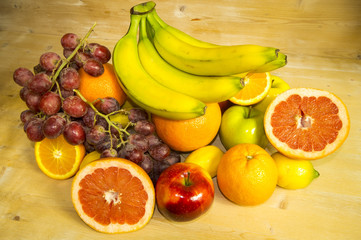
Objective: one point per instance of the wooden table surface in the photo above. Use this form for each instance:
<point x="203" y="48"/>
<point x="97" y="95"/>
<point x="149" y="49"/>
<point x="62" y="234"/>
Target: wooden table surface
<point x="323" y="42"/>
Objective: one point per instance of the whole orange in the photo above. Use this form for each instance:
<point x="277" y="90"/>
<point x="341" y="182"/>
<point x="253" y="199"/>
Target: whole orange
<point x="105" y="85"/>
<point x="188" y="135"/>
<point x="247" y="174"/>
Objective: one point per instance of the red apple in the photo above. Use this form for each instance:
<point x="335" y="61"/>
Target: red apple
<point x="225" y="105"/>
<point x="184" y="191"/>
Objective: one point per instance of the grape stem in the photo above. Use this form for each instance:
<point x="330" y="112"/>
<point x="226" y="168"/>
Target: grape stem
<point x="106" y="117"/>
<point x="67" y="60"/>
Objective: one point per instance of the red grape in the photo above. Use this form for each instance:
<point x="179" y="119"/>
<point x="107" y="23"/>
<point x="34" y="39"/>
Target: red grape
<point x="159" y="152"/>
<point x="101" y="121"/>
<point x="89" y="117"/>
<point x="32" y="101"/>
<point x="74" y="133"/>
<point x="69" y="78"/>
<point x="132" y="153"/>
<point x="136" y="114"/>
<point x="70" y="41"/>
<point x="139" y="141"/>
<point x="34" y="130"/>
<point x="111" y="152"/>
<point x="153" y="140"/>
<point x="41" y="83"/>
<point x="54" y="126"/>
<point x="93" y="67"/>
<point x="115" y="131"/>
<point x="67" y="53"/>
<point x="50" y="103"/>
<point x="81" y="57"/>
<point x="106" y="144"/>
<point x="99" y="52"/>
<point x="88" y="147"/>
<point x="49" y="61"/>
<point x="22" y="76"/>
<point x="26" y="115"/>
<point x="144" y="127"/>
<point x="66" y="93"/>
<point x="74" y="106"/>
<point x="147" y="163"/>
<point x="95" y="135"/>
<point x="107" y="105"/>
<point x="38" y="69"/>
<point x="23" y="93"/>
<point x="173" y="158"/>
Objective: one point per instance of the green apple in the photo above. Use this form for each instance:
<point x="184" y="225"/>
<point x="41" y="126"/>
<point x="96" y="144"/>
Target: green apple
<point x="278" y="86"/>
<point x="241" y="124"/>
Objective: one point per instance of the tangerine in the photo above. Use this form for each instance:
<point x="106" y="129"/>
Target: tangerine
<point x="105" y="85"/>
<point x="247" y="174"/>
<point x="188" y="135"/>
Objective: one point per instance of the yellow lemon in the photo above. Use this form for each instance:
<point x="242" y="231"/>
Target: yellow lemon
<point x="294" y="173"/>
<point x="208" y="157"/>
<point x="90" y="157"/>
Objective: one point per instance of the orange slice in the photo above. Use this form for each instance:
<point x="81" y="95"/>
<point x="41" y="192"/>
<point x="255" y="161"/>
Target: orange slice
<point x="306" y="123"/>
<point x="113" y="195"/>
<point x="256" y="87"/>
<point x="57" y="158"/>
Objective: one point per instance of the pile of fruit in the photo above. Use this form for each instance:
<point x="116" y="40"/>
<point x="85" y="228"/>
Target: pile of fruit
<point x="121" y="128"/>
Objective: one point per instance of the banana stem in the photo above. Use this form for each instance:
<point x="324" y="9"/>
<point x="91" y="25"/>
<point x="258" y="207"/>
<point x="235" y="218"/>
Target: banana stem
<point x="151" y="17"/>
<point x="142" y="8"/>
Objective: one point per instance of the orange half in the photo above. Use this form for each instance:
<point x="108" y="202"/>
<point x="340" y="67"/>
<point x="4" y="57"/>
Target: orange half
<point x="306" y="123"/>
<point x="256" y="87"/>
<point x="57" y="158"/>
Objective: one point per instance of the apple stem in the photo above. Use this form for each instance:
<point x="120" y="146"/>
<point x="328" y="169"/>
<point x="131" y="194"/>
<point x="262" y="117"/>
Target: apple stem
<point x="249" y="112"/>
<point x="187" y="182"/>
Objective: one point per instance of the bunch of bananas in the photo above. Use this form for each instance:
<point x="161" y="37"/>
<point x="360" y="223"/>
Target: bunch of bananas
<point x="173" y="75"/>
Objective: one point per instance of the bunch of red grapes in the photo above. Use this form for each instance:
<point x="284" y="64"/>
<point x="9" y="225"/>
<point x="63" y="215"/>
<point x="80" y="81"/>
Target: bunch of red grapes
<point x="55" y="108"/>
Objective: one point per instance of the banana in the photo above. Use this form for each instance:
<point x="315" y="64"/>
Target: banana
<point x="281" y="61"/>
<point x="141" y="88"/>
<point x="182" y="35"/>
<point x="218" y="61"/>
<point x="207" y="89"/>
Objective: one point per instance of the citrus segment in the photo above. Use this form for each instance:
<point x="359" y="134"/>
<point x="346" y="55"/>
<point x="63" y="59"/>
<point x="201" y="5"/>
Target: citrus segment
<point x="57" y="158"/>
<point x="247" y="174"/>
<point x="188" y="135"/>
<point x="256" y="87"/>
<point x="105" y="85"/>
<point x="113" y="195"/>
<point x="307" y="123"/>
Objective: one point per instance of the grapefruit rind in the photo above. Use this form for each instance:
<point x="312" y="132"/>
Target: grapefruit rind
<point x="136" y="171"/>
<point x="301" y="154"/>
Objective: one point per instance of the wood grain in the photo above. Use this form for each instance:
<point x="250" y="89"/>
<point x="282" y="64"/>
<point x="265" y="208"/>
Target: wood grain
<point x="322" y="40"/>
